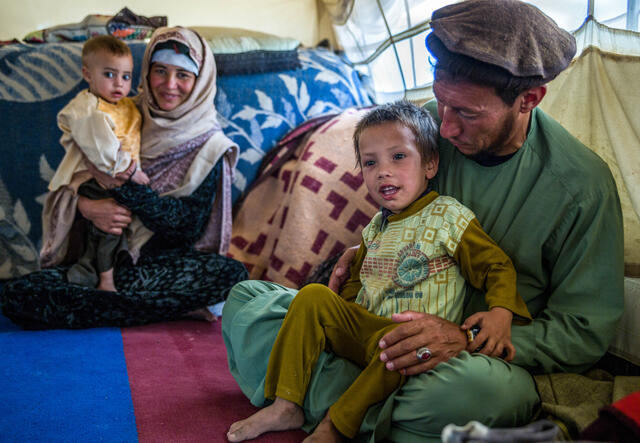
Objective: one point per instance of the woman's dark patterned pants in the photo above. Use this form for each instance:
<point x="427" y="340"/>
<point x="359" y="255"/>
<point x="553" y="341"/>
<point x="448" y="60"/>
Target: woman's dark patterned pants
<point x="160" y="287"/>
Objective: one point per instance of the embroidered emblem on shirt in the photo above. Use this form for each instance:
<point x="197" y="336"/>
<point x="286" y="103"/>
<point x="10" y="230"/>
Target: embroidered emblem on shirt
<point x="413" y="266"/>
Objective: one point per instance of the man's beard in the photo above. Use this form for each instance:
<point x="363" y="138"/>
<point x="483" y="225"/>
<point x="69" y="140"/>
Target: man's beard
<point x="488" y="155"/>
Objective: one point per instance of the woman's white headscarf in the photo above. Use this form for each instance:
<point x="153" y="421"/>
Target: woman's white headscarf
<point x="167" y="134"/>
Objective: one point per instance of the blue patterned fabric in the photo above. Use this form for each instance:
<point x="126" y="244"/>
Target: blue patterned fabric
<point x="36" y="81"/>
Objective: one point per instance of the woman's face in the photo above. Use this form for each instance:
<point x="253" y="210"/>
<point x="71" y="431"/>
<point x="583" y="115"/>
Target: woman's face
<point x="170" y="85"/>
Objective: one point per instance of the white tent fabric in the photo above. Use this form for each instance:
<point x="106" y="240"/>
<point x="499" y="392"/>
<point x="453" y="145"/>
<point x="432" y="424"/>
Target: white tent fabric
<point x="385" y="40"/>
<point x="598" y="100"/>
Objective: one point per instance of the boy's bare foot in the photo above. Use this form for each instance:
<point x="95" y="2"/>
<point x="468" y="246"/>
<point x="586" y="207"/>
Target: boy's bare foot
<point x="325" y="432"/>
<point x="281" y="415"/>
<point x="202" y="314"/>
<point x="106" y="281"/>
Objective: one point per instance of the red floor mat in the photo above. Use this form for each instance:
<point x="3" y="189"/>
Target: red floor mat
<point x="181" y="386"/>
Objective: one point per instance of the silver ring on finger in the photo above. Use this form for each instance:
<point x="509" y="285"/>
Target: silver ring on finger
<point x="423" y="353"/>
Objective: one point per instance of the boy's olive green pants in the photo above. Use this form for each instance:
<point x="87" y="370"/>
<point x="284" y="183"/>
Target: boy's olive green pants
<point x="318" y="319"/>
<point x="467" y="387"/>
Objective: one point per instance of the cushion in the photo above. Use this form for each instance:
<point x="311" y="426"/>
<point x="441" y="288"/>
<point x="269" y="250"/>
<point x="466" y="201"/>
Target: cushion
<point x="257" y="62"/>
<point x="125" y="25"/>
<point x="256" y="110"/>
<point x="91" y="25"/>
<point x="241" y="51"/>
<point x="233" y="40"/>
<point x="317" y="201"/>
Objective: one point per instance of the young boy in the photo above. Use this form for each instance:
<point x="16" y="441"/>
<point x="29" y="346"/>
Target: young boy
<point x="415" y="255"/>
<point x="101" y="125"/>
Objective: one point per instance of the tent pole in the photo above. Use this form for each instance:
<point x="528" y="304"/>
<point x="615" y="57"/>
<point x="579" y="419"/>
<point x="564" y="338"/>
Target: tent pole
<point x="633" y="9"/>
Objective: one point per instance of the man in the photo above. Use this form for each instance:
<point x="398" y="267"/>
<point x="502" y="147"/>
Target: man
<point x="545" y="198"/>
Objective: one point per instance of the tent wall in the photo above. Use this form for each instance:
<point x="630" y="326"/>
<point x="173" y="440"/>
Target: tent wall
<point x="597" y="100"/>
<point x="298" y="19"/>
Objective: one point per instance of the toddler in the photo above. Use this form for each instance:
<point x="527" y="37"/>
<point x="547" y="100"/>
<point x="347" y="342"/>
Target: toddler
<point x="100" y="125"/>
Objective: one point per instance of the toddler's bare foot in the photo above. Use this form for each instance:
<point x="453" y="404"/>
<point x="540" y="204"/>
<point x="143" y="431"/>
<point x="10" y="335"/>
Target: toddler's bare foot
<point x="325" y="432"/>
<point x="202" y="314"/>
<point x="106" y="281"/>
<point x="281" y="415"/>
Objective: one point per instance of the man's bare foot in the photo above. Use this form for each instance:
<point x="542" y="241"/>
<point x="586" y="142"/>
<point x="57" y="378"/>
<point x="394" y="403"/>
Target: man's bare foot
<point x="325" y="432"/>
<point x="106" y="281"/>
<point x="202" y="314"/>
<point x="281" y="415"/>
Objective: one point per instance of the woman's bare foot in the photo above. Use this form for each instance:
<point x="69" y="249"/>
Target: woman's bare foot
<point x="202" y="314"/>
<point x="325" y="432"/>
<point x="281" y="415"/>
<point x="106" y="281"/>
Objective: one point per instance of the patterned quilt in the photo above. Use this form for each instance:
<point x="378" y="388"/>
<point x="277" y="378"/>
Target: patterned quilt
<point x="310" y="209"/>
<point x="36" y="81"/>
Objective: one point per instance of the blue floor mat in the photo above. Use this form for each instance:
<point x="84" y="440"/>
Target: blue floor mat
<point x="64" y="386"/>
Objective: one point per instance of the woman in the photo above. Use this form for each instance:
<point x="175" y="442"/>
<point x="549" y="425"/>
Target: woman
<point x="176" y="228"/>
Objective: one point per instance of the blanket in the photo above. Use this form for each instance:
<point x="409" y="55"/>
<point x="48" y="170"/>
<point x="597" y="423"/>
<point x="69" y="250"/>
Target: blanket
<point x="292" y="204"/>
<point x="573" y="400"/>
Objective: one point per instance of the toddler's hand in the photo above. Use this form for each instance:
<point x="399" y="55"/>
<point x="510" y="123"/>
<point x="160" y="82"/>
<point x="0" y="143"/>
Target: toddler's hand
<point x="140" y="177"/>
<point x="495" y="333"/>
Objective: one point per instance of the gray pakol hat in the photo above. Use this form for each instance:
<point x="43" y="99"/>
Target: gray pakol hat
<point x="510" y="34"/>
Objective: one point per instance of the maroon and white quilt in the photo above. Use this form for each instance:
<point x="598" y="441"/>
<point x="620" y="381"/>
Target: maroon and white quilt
<point x="310" y="209"/>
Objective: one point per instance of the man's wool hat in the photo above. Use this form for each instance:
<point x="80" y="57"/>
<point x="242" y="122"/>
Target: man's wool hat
<point x="510" y="34"/>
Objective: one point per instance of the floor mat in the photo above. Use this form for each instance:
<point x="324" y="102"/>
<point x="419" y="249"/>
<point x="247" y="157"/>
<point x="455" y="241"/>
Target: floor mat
<point x="64" y="386"/>
<point x="181" y="386"/>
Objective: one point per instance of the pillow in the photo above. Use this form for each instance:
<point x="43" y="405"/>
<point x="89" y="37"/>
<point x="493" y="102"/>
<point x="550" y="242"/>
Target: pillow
<point x="257" y="62"/>
<point x="240" y="51"/>
<point x="125" y="25"/>
<point x="235" y="40"/>
<point x="90" y="26"/>
<point x="257" y="110"/>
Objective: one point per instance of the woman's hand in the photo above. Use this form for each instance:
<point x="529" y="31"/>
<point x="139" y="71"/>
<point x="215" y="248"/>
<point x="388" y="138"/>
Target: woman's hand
<point x="106" y="214"/>
<point x="340" y="271"/>
<point x="443" y="338"/>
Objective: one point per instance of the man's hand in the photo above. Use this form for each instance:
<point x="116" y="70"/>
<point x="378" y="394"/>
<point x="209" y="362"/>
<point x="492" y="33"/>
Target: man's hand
<point x="106" y="214"/>
<point x="495" y="333"/>
<point x="444" y="339"/>
<point x="340" y="271"/>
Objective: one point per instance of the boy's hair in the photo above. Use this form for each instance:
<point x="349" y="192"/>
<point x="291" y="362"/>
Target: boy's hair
<point x="107" y="43"/>
<point x="417" y="119"/>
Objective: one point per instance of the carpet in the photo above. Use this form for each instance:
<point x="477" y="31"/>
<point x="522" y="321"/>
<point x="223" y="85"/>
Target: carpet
<point x="64" y="386"/>
<point x="181" y="386"/>
<point x="166" y="382"/>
